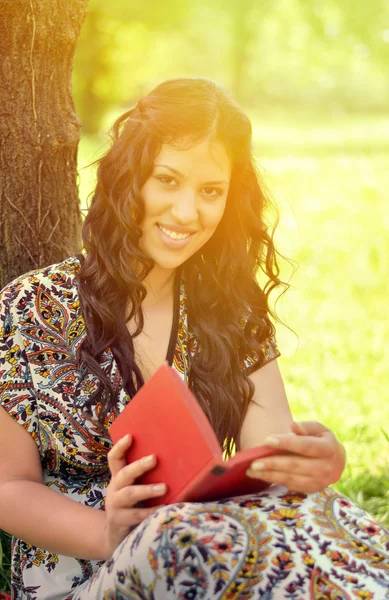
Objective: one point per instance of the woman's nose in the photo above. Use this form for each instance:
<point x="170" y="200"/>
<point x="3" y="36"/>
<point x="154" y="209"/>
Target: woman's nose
<point x="184" y="208"/>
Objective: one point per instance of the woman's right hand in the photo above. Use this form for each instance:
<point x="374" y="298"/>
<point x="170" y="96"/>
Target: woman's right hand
<point x="122" y="494"/>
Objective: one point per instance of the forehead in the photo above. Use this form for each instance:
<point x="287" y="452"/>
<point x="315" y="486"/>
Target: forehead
<point x="208" y="157"/>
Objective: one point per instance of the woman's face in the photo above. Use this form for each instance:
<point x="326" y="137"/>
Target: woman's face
<point x="184" y="200"/>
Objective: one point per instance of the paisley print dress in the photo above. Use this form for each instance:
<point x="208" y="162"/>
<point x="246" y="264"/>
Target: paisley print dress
<point x="273" y="545"/>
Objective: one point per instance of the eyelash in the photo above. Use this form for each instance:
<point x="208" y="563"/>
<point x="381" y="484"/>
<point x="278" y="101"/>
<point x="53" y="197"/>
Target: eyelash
<point x="219" y="191"/>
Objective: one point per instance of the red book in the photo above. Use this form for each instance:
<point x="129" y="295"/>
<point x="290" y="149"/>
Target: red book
<point x="165" y="419"/>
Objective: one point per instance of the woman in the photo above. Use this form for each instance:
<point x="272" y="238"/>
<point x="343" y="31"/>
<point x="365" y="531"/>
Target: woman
<point x="174" y="238"/>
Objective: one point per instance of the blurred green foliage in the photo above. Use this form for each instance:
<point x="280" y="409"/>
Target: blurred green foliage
<point x="329" y="55"/>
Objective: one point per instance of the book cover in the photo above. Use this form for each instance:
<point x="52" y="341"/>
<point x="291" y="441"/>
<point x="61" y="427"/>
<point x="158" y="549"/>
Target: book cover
<point x="165" y="419"/>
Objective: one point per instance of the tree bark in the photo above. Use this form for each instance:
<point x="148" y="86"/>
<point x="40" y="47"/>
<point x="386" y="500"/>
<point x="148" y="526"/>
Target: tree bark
<point x="40" y="219"/>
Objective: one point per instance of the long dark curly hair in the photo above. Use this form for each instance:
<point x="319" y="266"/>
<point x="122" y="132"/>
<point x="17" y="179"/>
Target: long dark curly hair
<point x="228" y="310"/>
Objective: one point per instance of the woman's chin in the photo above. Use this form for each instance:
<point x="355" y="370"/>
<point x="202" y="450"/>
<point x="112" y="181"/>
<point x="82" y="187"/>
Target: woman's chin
<point x="168" y="265"/>
<point x="163" y="258"/>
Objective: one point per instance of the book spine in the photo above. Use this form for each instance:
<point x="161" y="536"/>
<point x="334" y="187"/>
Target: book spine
<point x="186" y="492"/>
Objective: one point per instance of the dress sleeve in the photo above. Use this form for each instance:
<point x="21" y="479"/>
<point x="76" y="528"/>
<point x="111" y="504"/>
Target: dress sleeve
<point x="17" y="394"/>
<point x="255" y="358"/>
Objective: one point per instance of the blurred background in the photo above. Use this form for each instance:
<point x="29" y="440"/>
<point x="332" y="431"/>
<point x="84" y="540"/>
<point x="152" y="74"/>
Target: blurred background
<point x="314" y="79"/>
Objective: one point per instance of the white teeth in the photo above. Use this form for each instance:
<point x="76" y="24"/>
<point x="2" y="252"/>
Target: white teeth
<point x="173" y="235"/>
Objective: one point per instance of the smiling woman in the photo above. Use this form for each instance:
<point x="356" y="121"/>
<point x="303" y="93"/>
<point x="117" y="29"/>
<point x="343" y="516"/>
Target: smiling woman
<point x="178" y="196"/>
<point x="183" y="212"/>
<point x="174" y="239"/>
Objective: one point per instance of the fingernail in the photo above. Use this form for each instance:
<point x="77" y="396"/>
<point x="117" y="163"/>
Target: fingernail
<point x="126" y="438"/>
<point x="271" y="441"/>
<point x="258" y="465"/>
<point x="159" y="487"/>
<point x="148" y="459"/>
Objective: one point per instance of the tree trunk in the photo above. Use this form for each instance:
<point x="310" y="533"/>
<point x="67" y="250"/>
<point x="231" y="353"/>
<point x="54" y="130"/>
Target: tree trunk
<point x="40" y="218"/>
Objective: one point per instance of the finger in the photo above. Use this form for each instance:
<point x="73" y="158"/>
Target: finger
<point x="309" y="427"/>
<point x="117" y="455"/>
<point x="129" y="473"/>
<point x="297" y="428"/>
<point x="292" y="464"/>
<point x="296" y="483"/>
<point x="131" y="495"/>
<point x="305" y="445"/>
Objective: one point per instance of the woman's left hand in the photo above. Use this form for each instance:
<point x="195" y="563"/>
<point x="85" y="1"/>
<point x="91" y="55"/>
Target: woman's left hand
<point x="310" y="459"/>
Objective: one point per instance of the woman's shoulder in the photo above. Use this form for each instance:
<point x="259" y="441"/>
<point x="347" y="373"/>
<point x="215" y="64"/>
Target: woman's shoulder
<point x="58" y="280"/>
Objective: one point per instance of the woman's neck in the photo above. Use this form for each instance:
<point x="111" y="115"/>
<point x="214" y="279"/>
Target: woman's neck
<point x="159" y="285"/>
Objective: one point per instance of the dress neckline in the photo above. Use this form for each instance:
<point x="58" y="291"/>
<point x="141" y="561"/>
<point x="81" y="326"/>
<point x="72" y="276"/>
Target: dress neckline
<point x="176" y="317"/>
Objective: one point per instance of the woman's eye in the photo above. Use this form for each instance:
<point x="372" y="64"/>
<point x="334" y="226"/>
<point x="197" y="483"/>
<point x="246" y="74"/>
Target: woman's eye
<point x="211" y="192"/>
<point x="165" y="179"/>
<point x="218" y="191"/>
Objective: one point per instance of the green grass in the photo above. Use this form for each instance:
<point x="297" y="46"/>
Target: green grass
<point x="5" y="549"/>
<point x="330" y="176"/>
<point x="330" y="180"/>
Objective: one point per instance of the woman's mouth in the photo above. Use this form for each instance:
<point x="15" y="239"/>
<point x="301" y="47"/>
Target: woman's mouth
<point x="173" y="234"/>
<point x="173" y="239"/>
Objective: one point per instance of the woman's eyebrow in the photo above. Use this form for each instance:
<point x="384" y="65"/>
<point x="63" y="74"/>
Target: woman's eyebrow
<point x="182" y="175"/>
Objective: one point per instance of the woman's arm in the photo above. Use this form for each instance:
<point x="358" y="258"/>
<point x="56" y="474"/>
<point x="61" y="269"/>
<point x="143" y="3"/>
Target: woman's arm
<point x="35" y="513"/>
<point x="309" y="457"/>
<point x="269" y="410"/>
<point x="47" y="519"/>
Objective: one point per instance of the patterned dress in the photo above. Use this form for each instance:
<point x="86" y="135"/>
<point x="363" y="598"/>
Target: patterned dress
<point x="273" y="545"/>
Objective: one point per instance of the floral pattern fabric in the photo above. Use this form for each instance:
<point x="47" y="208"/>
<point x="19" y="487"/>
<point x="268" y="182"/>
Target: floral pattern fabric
<point x="272" y="545"/>
<point x="276" y="545"/>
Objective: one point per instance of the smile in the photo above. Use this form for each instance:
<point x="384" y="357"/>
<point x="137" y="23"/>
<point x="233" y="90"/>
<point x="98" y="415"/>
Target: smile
<point x="173" y="234"/>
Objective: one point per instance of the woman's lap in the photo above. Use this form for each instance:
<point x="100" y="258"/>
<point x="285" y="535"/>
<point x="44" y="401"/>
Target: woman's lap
<point x="277" y="545"/>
